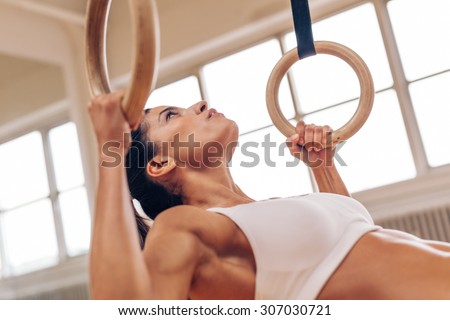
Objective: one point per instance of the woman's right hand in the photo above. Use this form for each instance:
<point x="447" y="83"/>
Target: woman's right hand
<point x="109" y="121"/>
<point x="309" y="145"/>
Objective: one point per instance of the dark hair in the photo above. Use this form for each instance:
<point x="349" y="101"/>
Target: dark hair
<point x="153" y="197"/>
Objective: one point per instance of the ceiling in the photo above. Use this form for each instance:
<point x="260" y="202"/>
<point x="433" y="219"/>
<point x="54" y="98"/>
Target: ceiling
<point x="78" y="6"/>
<point x="184" y="23"/>
<point x="14" y="68"/>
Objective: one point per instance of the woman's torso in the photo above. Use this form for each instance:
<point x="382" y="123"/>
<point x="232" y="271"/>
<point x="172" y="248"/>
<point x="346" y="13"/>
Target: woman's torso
<point x="383" y="264"/>
<point x="298" y="242"/>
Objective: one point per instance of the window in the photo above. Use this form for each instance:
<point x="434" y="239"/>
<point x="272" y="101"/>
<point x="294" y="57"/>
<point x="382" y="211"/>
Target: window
<point x="73" y="203"/>
<point x="44" y="215"/>
<point x="367" y="153"/>
<point x="425" y="50"/>
<point x="236" y="85"/>
<point x="379" y="153"/>
<point x="263" y="167"/>
<point x="324" y="73"/>
<point x="431" y="100"/>
<point x="28" y="239"/>
<point x="424" y="47"/>
<point x="182" y="93"/>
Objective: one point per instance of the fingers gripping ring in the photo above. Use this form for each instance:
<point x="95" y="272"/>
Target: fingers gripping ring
<point x="145" y="31"/>
<point x="323" y="47"/>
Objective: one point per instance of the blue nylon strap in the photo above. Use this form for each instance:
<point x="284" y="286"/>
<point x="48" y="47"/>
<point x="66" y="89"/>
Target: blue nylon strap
<point x="303" y="30"/>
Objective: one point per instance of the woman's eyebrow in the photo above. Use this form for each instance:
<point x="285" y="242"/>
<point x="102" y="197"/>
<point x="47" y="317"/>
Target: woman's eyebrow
<point x="165" y="110"/>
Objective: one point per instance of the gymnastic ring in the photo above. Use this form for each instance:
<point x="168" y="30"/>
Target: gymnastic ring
<point x="323" y="47"/>
<point x="145" y="57"/>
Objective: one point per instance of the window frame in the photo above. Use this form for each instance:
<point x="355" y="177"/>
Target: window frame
<point x="42" y="121"/>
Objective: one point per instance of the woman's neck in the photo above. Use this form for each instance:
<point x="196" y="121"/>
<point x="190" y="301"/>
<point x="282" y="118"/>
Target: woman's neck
<point x="212" y="187"/>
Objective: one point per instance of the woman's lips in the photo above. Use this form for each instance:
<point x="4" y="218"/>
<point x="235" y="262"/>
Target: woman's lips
<point x="213" y="113"/>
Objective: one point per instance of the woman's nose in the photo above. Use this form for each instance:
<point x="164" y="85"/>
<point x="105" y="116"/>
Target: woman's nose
<point x="199" y="107"/>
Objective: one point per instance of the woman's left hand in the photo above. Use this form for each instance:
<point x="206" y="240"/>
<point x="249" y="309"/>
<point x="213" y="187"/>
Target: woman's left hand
<point x="309" y="145"/>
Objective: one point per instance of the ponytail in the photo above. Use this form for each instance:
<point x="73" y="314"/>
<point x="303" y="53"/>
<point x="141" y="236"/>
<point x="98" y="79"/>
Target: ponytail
<point x="153" y="197"/>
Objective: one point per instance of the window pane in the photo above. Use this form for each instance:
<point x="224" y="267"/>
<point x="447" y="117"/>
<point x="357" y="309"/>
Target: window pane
<point x="76" y="220"/>
<point x="263" y="170"/>
<point x="379" y="153"/>
<point x="422" y="31"/>
<point x="29" y="237"/>
<point x="66" y="156"/>
<point x="431" y="100"/>
<point x="324" y="80"/>
<point x="182" y="93"/>
<point x="22" y="171"/>
<point x="1" y="266"/>
<point x="237" y="86"/>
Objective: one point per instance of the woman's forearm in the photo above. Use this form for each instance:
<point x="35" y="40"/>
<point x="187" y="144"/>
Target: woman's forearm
<point x="117" y="266"/>
<point x="329" y="180"/>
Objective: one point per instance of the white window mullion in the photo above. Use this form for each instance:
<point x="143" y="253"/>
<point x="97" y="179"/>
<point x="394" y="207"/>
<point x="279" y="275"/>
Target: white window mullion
<point x="297" y="106"/>
<point x="6" y="268"/>
<point x="401" y="86"/>
<point x="62" y="249"/>
<point x="296" y="101"/>
<point x="202" y="84"/>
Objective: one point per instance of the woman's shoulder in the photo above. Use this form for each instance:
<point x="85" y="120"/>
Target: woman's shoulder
<point x="190" y="224"/>
<point x="209" y="227"/>
<point x="180" y="216"/>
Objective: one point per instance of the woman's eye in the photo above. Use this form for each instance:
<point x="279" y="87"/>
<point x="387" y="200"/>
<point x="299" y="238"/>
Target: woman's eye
<point x="170" y="115"/>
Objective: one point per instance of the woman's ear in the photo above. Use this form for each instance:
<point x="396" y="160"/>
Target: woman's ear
<point x="159" y="167"/>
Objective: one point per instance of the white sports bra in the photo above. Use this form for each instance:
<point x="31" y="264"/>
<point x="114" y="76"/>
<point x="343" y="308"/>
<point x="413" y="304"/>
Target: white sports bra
<point x="299" y="242"/>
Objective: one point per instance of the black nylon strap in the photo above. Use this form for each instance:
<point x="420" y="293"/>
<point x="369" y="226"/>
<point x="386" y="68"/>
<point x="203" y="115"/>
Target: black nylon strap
<point x="303" y="30"/>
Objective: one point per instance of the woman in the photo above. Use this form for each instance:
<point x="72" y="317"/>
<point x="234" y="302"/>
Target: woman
<point x="210" y="240"/>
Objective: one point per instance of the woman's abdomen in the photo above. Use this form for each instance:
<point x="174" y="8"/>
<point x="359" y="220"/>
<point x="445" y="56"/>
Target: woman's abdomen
<point x="389" y="264"/>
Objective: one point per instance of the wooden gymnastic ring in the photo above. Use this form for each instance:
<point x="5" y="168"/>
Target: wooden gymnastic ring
<point x="145" y="30"/>
<point x="340" y="51"/>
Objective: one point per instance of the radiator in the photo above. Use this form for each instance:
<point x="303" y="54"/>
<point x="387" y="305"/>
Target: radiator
<point x="430" y="224"/>
<point x="79" y="292"/>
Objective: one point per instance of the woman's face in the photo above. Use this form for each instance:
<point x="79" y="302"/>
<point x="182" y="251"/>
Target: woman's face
<point x="196" y="134"/>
